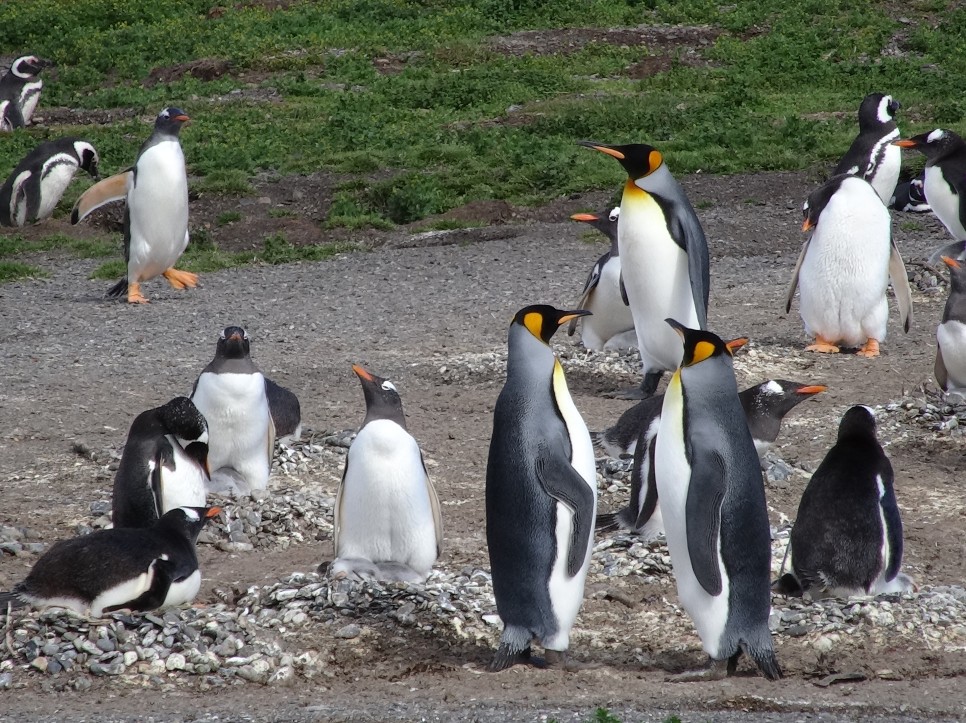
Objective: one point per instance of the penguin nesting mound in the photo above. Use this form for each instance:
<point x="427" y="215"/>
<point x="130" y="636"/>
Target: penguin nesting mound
<point x="936" y="411"/>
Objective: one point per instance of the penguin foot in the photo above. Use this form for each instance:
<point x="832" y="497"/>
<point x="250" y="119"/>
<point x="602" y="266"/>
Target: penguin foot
<point x="180" y="279"/>
<point x="558" y="659"/>
<point x="823" y="346"/>
<point x="506" y="658"/>
<point x="869" y="350"/>
<point x="134" y="295"/>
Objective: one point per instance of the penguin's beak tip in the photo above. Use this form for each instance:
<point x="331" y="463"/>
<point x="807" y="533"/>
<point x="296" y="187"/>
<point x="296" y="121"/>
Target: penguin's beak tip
<point x="212" y="512"/>
<point x="362" y="373"/>
<point x="811" y="389"/>
<point x="905" y="143"/>
<point x="807" y="225"/>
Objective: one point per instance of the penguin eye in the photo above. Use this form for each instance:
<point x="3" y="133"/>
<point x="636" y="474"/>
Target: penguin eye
<point x="614" y="214"/>
<point x="222" y="334"/>
<point x="389" y="386"/>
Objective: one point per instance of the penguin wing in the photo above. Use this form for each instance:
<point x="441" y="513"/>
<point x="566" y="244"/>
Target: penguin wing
<point x="892" y="533"/>
<point x="687" y="231"/>
<point x="154" y="596"/>
<point x="942" y="377"/>
<point x="623" y="290"/>
<point x="703" y="516"/>
<point x="13" y="116"/>
<point x="163" y="458"/>
<point x="649" y="505"/>
<point x="103" y="192"/>
<point x="593" y="278"/>
<point x="434" y="505"/>
<point x="284" y="407"/>
<point x="794" y="284"/>
<point x="18" y="200"/>
<point x="562" y="482"/>
<point x="900" y="285"/>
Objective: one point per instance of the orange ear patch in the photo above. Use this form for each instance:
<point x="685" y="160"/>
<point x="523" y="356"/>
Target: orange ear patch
<point x="534" y="323"/>
<point x="702" y="350"/>
<point x="654" y="161"/>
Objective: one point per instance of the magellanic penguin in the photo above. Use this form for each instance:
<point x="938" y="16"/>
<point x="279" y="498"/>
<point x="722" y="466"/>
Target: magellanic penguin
<point x="664" y="257"/>
<point x="610" y="324"/>
<point x="950" y="365"/>
<point x="872" y="155"/>
<point x="240" y="405"/>
<point x="910" y="196"/>
<point x="944" y="183"/>
<point x="847" y="536"/>
<point x="845" y="266"/>
<point x="541" y="496"/>
<point x="121" y="568"/>
<point x="387" y="521"/>
<point x="164" y="464"/>
<point x="20" y="91"/>
<point x="36" y="185"/>
<point x="713" y="503"/>
<point x="156" y="215"/>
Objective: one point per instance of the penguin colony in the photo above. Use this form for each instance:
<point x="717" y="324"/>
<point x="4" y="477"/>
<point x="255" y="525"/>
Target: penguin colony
<point x="696" y="474"/>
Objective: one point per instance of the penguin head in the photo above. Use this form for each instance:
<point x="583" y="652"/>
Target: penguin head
<point x="778" y="395"/>
<point x="170" y="120"/>
<point x="876" y="110"/>
<point x="638" y="159"/>
<point x="188" y="521"/>
<point x="818" y="199"/>
<point x="182" y="418"/>
<point x="382" y="398"/>
<point x="859" y="421"/>
<point x="700" y="345"/>
<point x="29" y="66"/>
<point x="233" y="343"/>
<point x="957" y="275"/>
<point x="87" y="157"/>
<point x="543" y="320"/>
<point x="605" y="222"/>
<point x="934" y="144"/>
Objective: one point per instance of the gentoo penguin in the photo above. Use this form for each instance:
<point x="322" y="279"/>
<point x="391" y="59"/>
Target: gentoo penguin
<point x="121" y="568"/>
<point x="233" y="395"/>
<point x="156" y="216"/>
<point x="164" y="464"/>
<point x="664" y="257"/>
<point x="541" y="496"/>
<point x="610" y="324"/>
<point x="845" y="267"/>
<point x="847" y="536"/>
<point x="951" y="333"/>
<point x="387" y="522"/>
<point x="713" y="503"/>
<point x="944" y="183"/>
<point x="765" y="406"/>
<point x="872" y="155"/>
<point x="36" y="185"/>
<point x="910" y="196"/>
<point x="20" y="91"/>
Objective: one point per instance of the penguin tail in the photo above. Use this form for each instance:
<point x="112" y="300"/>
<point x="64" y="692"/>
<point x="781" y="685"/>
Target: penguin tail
<point x="118" y="290"/>
<point x="764" y="657"/>
<point x="607" y="522"/>
<point x="12" y="599"/>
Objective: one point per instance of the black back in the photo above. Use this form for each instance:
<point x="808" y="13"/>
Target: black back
<point x="818" y="199"/>
<point x="284" y="407"/>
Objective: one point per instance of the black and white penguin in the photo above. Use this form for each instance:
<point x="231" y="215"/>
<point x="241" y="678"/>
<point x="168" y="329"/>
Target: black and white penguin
<point x="845" y="267"/>
<point x="713" y="503"/>
<point x="36" y="185"/>
<point x="847" y="536"/>
<point x="156" y="215"/>
<point x="541" y="496"/>
<point x="944" y="183"/>
<point x="164" y="464"/>
<point x="610" y="324"/>
<point x="950" y="365"/>
<point x="664" y="257"/>
<point x="121" y="568"/>
<point x="387" y="515"/>
<point x="872" y="155"/>
<point x="20" y="91"/>
<point x="910" y="196"/>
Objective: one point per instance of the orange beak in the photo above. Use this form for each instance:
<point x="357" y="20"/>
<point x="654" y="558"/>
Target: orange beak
<point x="811" y="389"/>
<point x="735" y="344"/>
<point x="807" y="225"/>
<point x="585" y="217"/>
<point x="362" y="373"/>
<point x="905" y="143"/>
<point x="212" y="512"/>
<point x="950" y="262"/>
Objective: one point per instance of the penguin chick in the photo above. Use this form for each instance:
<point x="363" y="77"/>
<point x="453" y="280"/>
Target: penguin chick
<point x="36" y="185"/>
<point x="20" y="91"/>
<point x="541" y="496"/>
<point x="845" y="267"/>
<point x="387" y="515"/>
<point x="847" y="536"/>
<point x="164" y="464"/>
<point x="950" y="364"/>
<point x="107" y="570"/>
<point x="872" y="155"/>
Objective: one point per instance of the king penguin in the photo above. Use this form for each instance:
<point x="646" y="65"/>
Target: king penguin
<point x="847" y="536"/>
<point x="156" y="215"/>
<point x="845" y="267"/>
<point x="20" y="91"/>
<point x="610" y="324"/>
<point x="664" y="257"/>
<point x="541" y="496"/>
<point x="121" y="568"/>
<point x="713" y="503"/>
<point x="387" y="515"/>
<point x="950" y="365"/>
<point x="36" y="185"/>
<point x="164" y="464"/>
<point x="872" y="155"/>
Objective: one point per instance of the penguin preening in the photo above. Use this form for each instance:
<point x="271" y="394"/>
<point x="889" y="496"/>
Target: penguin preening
<point x="121" y="568"/>
<point x="36" y="185"/>
<point x="387" y="515"/>
<point x="845" y="267"/>
<point x="20" y="91"/>
<point x="664" y="257"/>
<point x="872" y="155"/>
<point x="950" y="367"/>
<point x="610" y="324"/>
<point x="910" y="196"/>
<point x="847" y="536"/>
<point x="541" y="496"/>
<point x="713" y="504"/>
<point x="156" y="214"/>
<point x="164" y="464"/>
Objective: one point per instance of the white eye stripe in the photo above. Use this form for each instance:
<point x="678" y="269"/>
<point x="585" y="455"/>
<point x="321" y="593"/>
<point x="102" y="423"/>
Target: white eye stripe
<point x="388" y="385"/>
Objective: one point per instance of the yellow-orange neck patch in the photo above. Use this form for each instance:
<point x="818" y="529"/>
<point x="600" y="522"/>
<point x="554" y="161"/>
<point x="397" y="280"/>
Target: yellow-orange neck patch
<point x="702" y="350"/>
<point x="534" y="323"/>
<point x="654" y="160"/>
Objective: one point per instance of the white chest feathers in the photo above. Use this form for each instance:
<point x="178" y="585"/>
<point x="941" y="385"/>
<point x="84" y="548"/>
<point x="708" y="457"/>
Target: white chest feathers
<point x="158" y="205"/>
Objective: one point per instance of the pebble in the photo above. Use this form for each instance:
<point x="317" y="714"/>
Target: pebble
<point x="349" y="632"/>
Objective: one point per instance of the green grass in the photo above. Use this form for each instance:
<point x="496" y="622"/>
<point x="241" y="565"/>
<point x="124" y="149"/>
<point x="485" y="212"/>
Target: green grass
<point x="14" y="270"/>
<point x="228" y="217"/>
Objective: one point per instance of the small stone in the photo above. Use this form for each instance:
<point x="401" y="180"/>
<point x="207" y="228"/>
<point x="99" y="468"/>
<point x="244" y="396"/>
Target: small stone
<point x="130" y="658"/>
<point x="349" y="632"/>
<point x="6" y="680"/>
<point x="40" y="663"/>
<point x="175" y="661"/>
<point x="107" y="669"/>
<point x="106" y="644"/>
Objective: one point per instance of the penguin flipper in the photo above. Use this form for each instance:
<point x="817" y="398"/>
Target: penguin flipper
<point x="696" y="247"/>
<point x="562" y="482"/>
<point x="434" y="506"/>
<point x="900" y="285"/>
<point x="337" y="511"/>
<point x="14" y="116"/>
<point x="648" y="482"/>
<point x="623" y="290"/>
<point x="592" y="280"/>
<point x="18" y="200"/>
<point x="101" y="193"/>
<point x="942" y="377"/>
<point x="794" y="283"/>
<point x="703" y="516"/>
<point x="284" y="407"/>
<point x="893" y="533"/>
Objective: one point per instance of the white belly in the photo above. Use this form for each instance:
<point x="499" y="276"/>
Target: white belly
<point x="54" y="182"/>
<point x="31" y="95"/>
<point x="887" y="175"/>
<point x="610" y="316"/>
<point x="951" y="336"/>
<point x="944" y="203"/>
<point x="183" y="592"/>
<point x="185" y="486"/>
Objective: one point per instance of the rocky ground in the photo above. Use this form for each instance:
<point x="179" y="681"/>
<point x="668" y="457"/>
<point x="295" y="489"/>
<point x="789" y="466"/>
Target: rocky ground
<point x="271" y="639"/>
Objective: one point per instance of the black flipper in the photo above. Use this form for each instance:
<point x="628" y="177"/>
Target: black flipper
<point x="650" y="494"/>
<point x="703" y="515"/>
<point x="562" y="482"/>
<point x="607" y="522"/>
<point x="893" y="533"/>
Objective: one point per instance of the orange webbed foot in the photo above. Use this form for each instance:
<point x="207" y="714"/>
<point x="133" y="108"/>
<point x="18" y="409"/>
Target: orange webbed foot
<point x="134" y="295"/>
<point x="823" y="346"/>
<point x="180" y="279"/>
<point x="870" y="349"/>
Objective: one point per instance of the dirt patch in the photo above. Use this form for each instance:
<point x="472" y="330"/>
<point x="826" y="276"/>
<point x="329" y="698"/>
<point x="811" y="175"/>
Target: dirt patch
<point x="202" y="69"/>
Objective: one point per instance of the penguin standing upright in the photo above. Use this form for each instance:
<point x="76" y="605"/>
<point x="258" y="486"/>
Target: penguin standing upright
<point x="136" y="569"/>
<point x="541" y="495"/>
<point x="387" y="520"/>
<point x="610" y="324"/>
<point x="713" y="502"/>
<point x="164" y="464"/>
<point x="664" y="257"/>
<point x="845" y="267"/>
<point x="20" y="91"/>
<point x="156" y="215"/>
<point x="847" y="536"/>
<point x="36" y="185"/>
<point x="950" y="365"/>
<point x="872" y="155"/>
